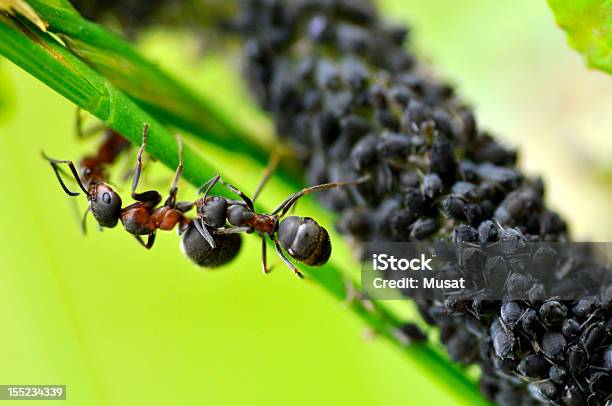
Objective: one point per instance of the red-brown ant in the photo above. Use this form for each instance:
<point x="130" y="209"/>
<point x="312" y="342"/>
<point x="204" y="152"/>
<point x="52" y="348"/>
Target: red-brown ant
<point x="103" y="201"/>
<point x="301" y="237"/>
<point x="144" y="216"/>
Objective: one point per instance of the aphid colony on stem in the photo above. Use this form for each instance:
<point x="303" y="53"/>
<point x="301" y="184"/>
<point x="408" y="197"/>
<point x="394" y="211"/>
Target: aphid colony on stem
<point x="207" y="240"/>
<point x="345" y="90"/>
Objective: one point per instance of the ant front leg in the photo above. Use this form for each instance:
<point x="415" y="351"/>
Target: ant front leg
<point x="208" y="185"/>
<point x="171" y="201"/>
<point x="138" y="169"/>
<point x="150" y="198"/>
<point x="150" y="241"/>
<point x="203" y="230"/>
<point x="244" y="197"/>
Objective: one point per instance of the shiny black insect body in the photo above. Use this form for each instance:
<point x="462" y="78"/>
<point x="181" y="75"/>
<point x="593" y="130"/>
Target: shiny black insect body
<point x="301" y="237"/>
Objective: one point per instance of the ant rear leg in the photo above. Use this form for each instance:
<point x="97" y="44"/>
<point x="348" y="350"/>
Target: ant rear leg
<point x="54" y="164"/>
<point x="264" y="257"/>
<point x="289" y="264"/>
<point x="149" y="243"/>
<point x="78" y="125"/>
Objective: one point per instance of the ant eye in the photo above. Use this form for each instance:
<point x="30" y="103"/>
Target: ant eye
<point x="106" y="198"/>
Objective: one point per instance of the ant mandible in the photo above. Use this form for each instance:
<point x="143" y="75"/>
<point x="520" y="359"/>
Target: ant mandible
<point x="301" y="237"/>
<point x="140" y="218"/>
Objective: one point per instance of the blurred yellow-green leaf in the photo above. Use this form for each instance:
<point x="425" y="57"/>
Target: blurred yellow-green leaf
<point x="588" y="24"/>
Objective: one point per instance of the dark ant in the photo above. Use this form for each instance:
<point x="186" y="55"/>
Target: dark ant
<point x="301" y="237"/>
<point x="142" y="217"/>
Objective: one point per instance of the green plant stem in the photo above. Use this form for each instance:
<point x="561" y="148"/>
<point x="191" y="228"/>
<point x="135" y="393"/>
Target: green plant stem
<point x="153" y="89"/>
<point x="55" y="65"/>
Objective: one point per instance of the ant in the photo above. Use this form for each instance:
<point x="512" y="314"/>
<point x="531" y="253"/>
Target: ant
<point x="301" y="237"/>
<point x="103" y="201"/>
<point x="140" y="218"/>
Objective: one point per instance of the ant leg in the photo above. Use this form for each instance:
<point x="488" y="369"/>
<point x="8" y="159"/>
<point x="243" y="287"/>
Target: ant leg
<point x="150" y="240"/>
<point x="184" y="207"/>
<point x="244" y="197"/>
<point x="233" y="230"/>
<point x="79" y="126"/>
<point x="279" y="251"/>
<point x="138" y="170"/>
<point x="264" y="256"/>
<point x="284" y="207"/>
<point x="54" y="164"/>
<point x="171" y="201"/>
<point x="201" y="227"/>
<point x="273" y="161"/>
<point x="84" y="221"/>
<point x="151" y="197"/>
<point x="208" y="185"/>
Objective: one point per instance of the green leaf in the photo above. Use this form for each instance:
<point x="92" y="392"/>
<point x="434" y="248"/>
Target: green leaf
<point x="588" y="24"/>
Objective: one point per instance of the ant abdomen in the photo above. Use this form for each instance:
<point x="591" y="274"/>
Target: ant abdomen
<point x="305" y="240"/>
<point x="198" y="250"/>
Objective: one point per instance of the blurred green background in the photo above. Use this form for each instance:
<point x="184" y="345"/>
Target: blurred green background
<point x="123" y="326"/>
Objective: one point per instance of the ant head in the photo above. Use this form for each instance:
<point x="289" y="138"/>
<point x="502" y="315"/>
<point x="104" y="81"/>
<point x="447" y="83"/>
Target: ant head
<point x="105" y="205"/>
<point x="305" y="240"/>
<point x="212" y="210"/>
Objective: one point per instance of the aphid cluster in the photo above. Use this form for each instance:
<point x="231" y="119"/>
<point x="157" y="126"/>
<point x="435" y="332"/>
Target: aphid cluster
<point x="213" y="237"/>
<point x="343" y="89"/>
<point x="132" y="14"/>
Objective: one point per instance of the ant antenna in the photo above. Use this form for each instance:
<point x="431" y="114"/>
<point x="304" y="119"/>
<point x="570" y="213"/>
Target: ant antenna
<point x="54" y="164"/>
<point x="284" y="207"/>
<point x="208" y="185"/>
